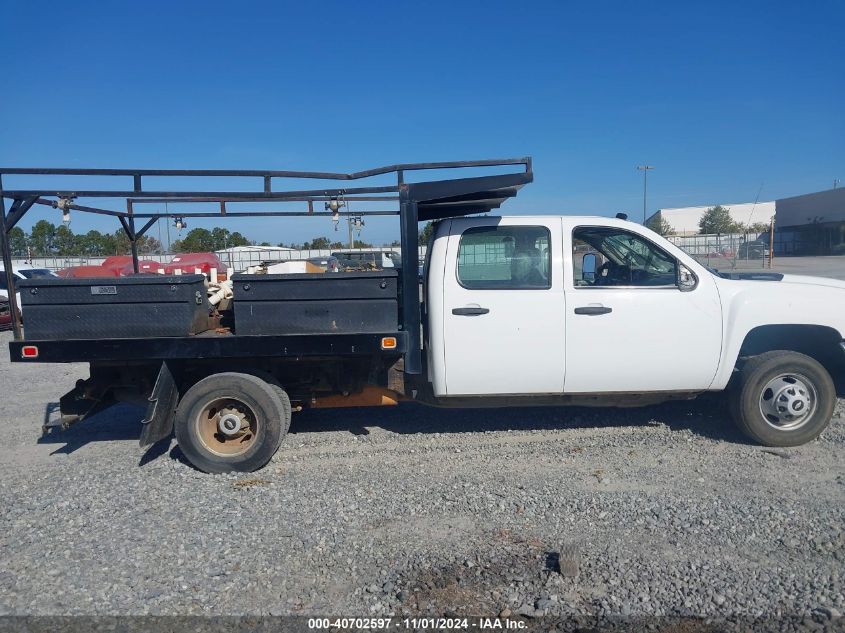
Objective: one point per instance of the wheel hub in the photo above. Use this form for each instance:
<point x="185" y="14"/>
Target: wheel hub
<point x="229" y="424"/>
<point x="788" y="401"/>
<point x="226" y="426"/>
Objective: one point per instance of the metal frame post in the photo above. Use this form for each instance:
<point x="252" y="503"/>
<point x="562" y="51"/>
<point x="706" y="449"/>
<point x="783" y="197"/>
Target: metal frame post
<point x="129" y="227"/>
<point x="410" y="284"/>
<point x="6" y="249"/>
<point x="771" y="241"/>
<point x="133" y="244"/>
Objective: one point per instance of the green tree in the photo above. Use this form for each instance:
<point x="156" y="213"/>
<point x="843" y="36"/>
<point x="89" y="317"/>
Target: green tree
<point x="318" y="243"/>
<point x="198" y="241"/>
<point x="425" y="233"/>
<point x="18" y="242"/>
<point x="92" y="243"/>
<point x="236" y="239"/>
<point x="222" y="239"/>
<point x="65" y="242"/>
<point x="41" y="238"/>
<point x="757" y="227"/>
<point x="148" y="245"/>
<point x="119" y="244"/>
<point x="718" y="220"/>
<point x="660" y="225"/>
<point x="219" y="238"/>
<point x="361" y="244"/>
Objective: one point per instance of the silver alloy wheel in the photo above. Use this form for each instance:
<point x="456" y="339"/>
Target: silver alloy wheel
<point x="788" y="401"/>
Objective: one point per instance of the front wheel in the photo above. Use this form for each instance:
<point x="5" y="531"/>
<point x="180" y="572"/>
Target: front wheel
<point x="231" y="422"/>
<point x="782" y="398"/>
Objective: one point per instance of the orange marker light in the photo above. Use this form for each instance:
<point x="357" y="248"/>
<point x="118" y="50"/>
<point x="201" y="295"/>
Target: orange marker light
<point x="388" y="342"/>
<point x="29" y="351"/>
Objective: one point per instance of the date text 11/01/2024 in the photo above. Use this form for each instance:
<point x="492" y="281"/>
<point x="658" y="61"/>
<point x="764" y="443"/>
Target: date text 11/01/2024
<point x="416" y="623"/>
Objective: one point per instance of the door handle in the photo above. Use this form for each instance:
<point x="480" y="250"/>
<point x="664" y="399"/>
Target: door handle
<point x="469" y="311"/>
<point x="593" y="310"/>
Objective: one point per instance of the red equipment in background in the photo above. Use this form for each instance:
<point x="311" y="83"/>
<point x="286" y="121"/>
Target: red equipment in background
<point x="188" y="262"/>
<point x="81" y="272"/>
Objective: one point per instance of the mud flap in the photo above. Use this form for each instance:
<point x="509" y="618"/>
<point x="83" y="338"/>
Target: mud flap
<point x="158" y="422"/>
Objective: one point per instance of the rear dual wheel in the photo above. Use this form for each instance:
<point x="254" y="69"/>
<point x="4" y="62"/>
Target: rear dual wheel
<point x="782" y="398"/>
<point x="232" y="422"/>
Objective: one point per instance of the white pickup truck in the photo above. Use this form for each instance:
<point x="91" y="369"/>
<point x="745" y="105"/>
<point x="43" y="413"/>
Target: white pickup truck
<point x="594" y="310"/>
<point x="513" y="311"/>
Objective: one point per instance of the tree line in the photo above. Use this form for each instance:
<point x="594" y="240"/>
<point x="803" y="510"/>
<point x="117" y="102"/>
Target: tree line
<point x="716" y="220"/>
<point x="324" y="244"/>
<point x="46" y="240"/>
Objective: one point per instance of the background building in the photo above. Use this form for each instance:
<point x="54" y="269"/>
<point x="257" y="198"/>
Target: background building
<point x="684" y="220"/>
<point x="812" y="224"/>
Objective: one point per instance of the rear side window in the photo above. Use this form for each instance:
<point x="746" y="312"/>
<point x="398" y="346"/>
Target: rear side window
<point x="505" y="258"/>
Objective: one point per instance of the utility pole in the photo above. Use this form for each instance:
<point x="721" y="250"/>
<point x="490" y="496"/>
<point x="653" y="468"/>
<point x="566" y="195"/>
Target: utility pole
<point x="645" y="169"/>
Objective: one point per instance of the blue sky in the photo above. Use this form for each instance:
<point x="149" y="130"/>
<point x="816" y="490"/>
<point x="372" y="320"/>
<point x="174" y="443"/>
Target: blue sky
<point x="720" y="96"/>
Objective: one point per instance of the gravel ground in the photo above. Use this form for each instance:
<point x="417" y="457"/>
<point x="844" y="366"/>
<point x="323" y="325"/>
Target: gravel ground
<point x="663" y="511"/>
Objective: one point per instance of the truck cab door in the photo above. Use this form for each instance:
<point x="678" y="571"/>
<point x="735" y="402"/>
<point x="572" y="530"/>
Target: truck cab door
<point x="641" y="317"/>
<point x="502" y="308"/>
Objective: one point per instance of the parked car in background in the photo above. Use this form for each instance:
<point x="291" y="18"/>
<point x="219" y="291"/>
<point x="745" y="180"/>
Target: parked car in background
<point x="188" y="262"/>
<point x="5" y="313"/>
<point x="721" y="251"/>
<point x="328" y="264"/>
<point x="20" y="273"/>
<point x="87" y="272"/>
<point x="368" y="260"/>
<point x="756" y="249"/>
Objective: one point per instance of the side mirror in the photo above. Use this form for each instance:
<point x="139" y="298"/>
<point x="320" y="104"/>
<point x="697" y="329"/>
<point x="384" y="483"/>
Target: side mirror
<point x="589" y="264"/>
<point x="686" y="279"/>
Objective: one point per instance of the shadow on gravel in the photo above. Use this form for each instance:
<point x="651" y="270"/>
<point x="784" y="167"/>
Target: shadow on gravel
<point x="705" y="416"/>
<point x="120" y="422"/>
<point x="155" y="451"/>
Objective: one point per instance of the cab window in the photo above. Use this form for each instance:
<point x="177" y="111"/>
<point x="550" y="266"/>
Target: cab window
<point x="606" y="257"/>
<point x="504" y="257"/>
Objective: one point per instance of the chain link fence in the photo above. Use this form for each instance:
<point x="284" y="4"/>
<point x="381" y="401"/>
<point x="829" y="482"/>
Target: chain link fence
<point x="735" y="250"/>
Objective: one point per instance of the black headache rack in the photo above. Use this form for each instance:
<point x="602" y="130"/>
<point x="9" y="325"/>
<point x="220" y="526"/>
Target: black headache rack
<point x="414" y="202"/>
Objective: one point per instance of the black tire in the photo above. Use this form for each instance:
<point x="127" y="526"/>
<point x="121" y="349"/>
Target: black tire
<point x="270" y="379"/>
<point x="288" y="414"/>
<point x="757" y="411"/>
<point x="264" y="413"/>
